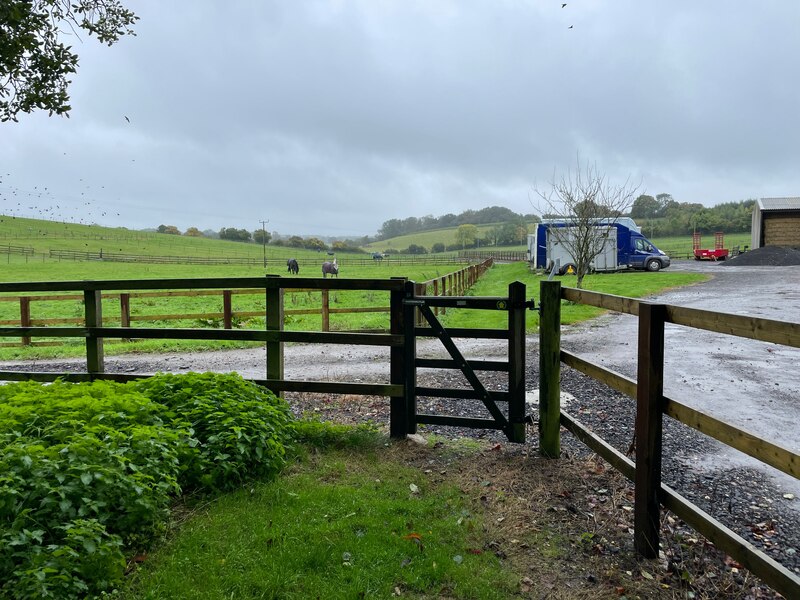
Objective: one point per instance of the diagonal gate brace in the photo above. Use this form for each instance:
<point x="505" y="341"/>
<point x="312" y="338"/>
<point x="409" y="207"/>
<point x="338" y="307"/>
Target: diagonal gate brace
<point x="455" y="353"/>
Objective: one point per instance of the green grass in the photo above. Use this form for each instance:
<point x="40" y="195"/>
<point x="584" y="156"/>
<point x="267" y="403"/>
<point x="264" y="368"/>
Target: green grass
<point x="343" y="525"/>
<point x="634" y="284"/>
<point x="446" y="236"/>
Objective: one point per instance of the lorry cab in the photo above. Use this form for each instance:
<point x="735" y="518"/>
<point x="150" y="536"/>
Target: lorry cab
<point x="644" y="254"/>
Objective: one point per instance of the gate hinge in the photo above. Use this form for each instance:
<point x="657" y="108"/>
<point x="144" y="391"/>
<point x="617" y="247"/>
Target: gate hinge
<point x="530" y="304"/>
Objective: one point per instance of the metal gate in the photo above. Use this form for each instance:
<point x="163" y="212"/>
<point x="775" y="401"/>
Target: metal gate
<point x="420" y="319"/>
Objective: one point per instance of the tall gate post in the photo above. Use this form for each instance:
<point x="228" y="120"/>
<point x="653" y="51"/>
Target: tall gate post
<point x="274" y="322"/>
<point x="649" y="395"/>
<point x="516" y="362"/>
<point x="550" y="368"/>
<point x="93" y="311"/>
<point x="410" y="357"/>
<point x="398" y="416"/>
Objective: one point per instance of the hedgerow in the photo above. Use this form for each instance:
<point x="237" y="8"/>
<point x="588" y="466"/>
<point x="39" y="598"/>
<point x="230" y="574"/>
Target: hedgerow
<point x="88" y="471"/>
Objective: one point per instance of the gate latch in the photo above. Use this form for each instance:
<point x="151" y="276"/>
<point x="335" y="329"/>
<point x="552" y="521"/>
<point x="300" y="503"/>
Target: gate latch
<point x="412" y="302"/>
<point x="530" y="304"/>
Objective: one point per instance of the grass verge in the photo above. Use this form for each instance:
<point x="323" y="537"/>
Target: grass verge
<point x="373" y="519"/>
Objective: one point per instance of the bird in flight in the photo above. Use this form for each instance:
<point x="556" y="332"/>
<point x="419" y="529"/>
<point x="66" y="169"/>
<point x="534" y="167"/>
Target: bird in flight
<point x="563" y="5"/>
<point x="127" y="119"/>
<point x="570" y="27"/>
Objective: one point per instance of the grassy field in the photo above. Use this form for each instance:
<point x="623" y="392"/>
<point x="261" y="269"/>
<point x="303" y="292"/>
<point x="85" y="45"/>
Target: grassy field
<point x="634" y="284"/>
<point x="427" y="239"/>
<point x="144" y="310"/>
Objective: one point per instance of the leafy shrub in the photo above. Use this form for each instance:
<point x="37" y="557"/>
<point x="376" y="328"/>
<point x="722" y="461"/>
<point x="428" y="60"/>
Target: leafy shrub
<point x="88" y="469"/>
<point x="238" y="429"/>
<point x="82" y="468"/>
<point x="77" y="560"/>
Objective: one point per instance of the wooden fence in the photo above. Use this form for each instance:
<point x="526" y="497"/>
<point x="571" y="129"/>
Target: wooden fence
<point x="651" y="404"/>
<point x="499" y="255"/>
<point x="400" y="338"/>
<point x="455" y="283"/>
<point x="305" y="263"/>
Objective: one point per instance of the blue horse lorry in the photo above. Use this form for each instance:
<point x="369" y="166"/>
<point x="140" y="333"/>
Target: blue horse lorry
<point x="620" y="243"/>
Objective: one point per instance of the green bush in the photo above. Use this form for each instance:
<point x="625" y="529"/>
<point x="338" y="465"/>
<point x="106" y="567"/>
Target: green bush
<point x="238" y="429"/>
<point x="90" y="461"/>
<point x="88" y="470"/>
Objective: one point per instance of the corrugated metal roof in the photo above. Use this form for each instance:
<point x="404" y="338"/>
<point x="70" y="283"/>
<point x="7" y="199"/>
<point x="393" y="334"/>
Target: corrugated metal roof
<point x="789" y="203"/>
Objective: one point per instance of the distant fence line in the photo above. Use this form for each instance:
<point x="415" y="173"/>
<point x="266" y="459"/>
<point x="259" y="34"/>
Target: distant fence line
<point x="501" y="255"/>
<point x="22" y="250"/>
<point x="395" y="259"/>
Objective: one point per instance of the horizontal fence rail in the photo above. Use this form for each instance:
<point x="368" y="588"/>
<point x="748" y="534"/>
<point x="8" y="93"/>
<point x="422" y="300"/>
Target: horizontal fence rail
<point x="456" y="282"/>
<point x="305" y="262"/>
<point x="646" y="471"/>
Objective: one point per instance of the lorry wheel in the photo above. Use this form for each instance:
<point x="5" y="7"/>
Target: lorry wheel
<point x="568" y="269"/>
<point x="653" y="266"/>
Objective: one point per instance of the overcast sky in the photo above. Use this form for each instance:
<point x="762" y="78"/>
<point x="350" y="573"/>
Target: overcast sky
<point x="331" y="117"/>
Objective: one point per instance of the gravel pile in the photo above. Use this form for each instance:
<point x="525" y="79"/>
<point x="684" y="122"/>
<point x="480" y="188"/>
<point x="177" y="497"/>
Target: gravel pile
<point x="771" y="256"/>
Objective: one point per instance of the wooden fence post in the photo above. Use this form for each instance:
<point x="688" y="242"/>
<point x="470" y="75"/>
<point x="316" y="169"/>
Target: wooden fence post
<point x="274" y="322"/>
<point x="410" y="315"/>
<point x="550" y="368"/>
<point x="444" y="292"/>
<point x="516" y="362"/>
<point x="419" y="290"/>
<point x="124" y="310"/>
<point x="436" y="293"/>
<point x="25" y="316"/>
<point x="326" y="310"/>
<point x="649" y="401"/>
<point x="93" y="310"/>
<point x="398" y="415"/>
<point x="227" y="312"/>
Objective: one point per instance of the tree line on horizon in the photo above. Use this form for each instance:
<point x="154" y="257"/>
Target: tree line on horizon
<point x="664" y="216"/>
<point x="659" y="215"/>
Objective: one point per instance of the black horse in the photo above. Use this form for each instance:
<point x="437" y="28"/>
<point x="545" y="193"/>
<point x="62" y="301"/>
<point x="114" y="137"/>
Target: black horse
<point x="294" y="268"/>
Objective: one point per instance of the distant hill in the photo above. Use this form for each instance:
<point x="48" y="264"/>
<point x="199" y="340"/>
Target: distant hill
<point x="41" y="236"/>
<point x="427" y="239"/>
<point x="490" y="215"/>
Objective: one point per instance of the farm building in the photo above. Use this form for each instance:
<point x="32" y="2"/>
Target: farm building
<point x="776" y="222"/>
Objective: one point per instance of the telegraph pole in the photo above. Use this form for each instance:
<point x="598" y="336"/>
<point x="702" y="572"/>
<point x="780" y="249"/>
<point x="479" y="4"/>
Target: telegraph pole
<point x="264" y="240"/>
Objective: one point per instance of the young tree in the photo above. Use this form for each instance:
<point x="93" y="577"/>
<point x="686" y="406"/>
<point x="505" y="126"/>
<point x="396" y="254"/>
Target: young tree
<point x="580" y="200"/>
<point x="34" y="63"/>
<point x="466" y="235"/>
<point x="261" y="236"/>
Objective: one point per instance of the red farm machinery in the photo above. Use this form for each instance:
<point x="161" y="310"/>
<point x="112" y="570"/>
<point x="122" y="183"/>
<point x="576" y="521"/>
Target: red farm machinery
<point x="718" y="253"/>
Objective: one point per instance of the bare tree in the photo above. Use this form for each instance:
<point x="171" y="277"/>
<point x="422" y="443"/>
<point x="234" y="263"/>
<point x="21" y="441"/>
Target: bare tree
<point x="585" y="205"/>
